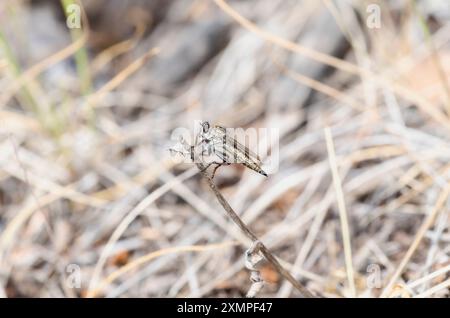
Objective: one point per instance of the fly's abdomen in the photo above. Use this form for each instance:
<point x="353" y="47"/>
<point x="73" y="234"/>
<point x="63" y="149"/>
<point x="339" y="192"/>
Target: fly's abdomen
<point x="255" y="167"/>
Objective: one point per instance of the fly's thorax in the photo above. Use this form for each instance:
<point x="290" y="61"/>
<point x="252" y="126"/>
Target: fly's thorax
<point x="217" y="132"/>
<point x="213" y="134"/>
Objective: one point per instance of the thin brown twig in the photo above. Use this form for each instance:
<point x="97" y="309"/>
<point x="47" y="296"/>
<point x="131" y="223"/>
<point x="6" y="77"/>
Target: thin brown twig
<point x="264" y="250"/>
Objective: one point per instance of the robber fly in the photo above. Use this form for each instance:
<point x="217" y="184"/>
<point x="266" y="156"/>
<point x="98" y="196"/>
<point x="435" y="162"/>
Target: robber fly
<point x="215" y="140"/>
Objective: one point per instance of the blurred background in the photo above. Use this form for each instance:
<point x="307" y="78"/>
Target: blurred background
<point x="93" y="205"/>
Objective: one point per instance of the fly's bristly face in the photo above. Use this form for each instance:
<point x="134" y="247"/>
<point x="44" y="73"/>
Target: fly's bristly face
<point x="206" y="133"/>
<point x="205" y="126"/>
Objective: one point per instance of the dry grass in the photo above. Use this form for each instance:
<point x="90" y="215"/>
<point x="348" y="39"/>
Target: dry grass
<point x="86" y="177"/>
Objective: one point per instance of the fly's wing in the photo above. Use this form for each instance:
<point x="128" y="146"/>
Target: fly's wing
<point x="228" y="148"/>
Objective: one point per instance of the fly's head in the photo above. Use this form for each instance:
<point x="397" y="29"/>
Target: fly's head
<point x="205" y="127"/>
<point x="205" y="131"/>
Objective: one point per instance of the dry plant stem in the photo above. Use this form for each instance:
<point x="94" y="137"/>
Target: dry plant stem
<point x="264" y="250"/>
<point x="343" y="215"/>
<point x="427" y="223"/>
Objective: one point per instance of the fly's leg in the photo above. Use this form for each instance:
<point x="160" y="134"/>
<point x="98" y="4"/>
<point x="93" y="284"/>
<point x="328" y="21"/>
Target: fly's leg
<point x="175" y="151"/>
<point x="210" y="164"/>
<point x="209" y="149"/>
<point x="217" y="167"/>
<point x="205" y="149"/>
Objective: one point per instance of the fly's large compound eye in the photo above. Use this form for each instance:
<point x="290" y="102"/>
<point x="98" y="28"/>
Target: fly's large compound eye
<point x="205" y="127"/>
